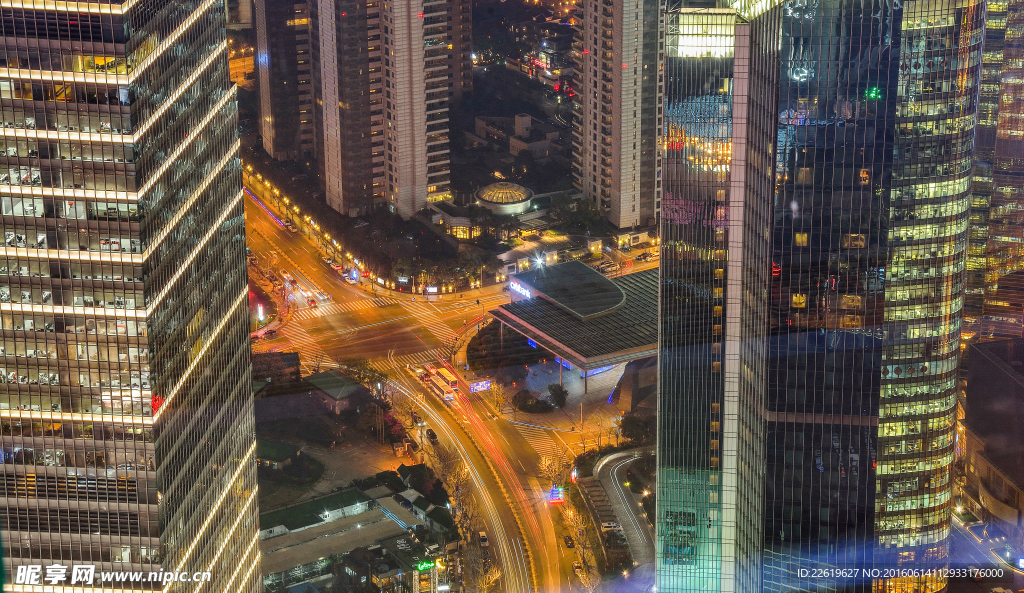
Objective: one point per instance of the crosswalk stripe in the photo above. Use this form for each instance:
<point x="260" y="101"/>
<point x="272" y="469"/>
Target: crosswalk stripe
<point x="540" y="440"/>
<point x="415" y="358"/>
<point x="427" y="318"/>
<point x="345" y="307"/>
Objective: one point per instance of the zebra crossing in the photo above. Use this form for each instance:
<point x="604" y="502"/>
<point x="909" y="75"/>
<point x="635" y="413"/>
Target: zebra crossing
<point x="307" y="347"/>
<point x="426" y="317"/>
<point x="416" y="358"/>
<point x="540" y="440"/>
<point x="343" y="307"/>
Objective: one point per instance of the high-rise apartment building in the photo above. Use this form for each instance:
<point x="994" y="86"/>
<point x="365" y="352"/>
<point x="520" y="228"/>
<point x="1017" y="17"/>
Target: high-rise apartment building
<point x="239" y="13"/>
<point x="125" y="401"/>
<point x="419" y="73"/>
<point x="385" y="75"/>
<point x="830" y="304"/>
<point x="285" y="72"/>
<point x="348" y="87"/>
<point x="997" y="192"/>
<point x="617" y="163"/>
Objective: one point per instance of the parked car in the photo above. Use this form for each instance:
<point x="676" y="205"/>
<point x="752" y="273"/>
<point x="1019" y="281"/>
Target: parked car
<point x="270" y="333"/>
<point x="483" y="539"/>
<point x="569" y="542"/>
<point x="626" y="249"/>
<point x="577" y="567"/>
<point x="611" y="526"/>
<point x="645" y="257"/>
<point x="290" y="227"/>
<point x="432" y="436"/>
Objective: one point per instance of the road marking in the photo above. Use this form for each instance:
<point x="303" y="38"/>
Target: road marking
<point x="425" y="313"/>
<point x="540" y="440"/>
<point x="417" y="358"/>
<point x="343" y="307"/>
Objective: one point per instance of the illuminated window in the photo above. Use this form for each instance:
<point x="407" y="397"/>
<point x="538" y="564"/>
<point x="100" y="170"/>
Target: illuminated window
<point x="297" y="22"/>
<point x="850" y="301"/>
<point x="718" y="293"/>
<point x="719" y="254"/>
<point x="799" y="300"/>
<point x="714" y="462"/>
<point x="716" y="408"/>
<point x="716" y="348"/>
<point x="714" y="444"/>
<point x="716" y="330"/>
<point x="716" y="367"/>
<point x="850" y="322"/>
<point x="804" y="176"/>
<point x="716" y="426"/>
<point x="720" y="195"/>
<point x="854" y="241"/>
<point x="800" y="239"/>
<point x="719" y="274"/>
<point x="718" y="311"/>
<point x="865" y="177"/>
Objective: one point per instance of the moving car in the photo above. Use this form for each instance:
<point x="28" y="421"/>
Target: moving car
<point x="577" y="568"/>
<point x="646" y="257"/>
<point x="432" y="436"/>
<point x="483" y="539"/>
<point x="569" y="542"/>
<point x="311" y="302"/>
<point x="290" y="227"/>
<point x="270" y="333"/>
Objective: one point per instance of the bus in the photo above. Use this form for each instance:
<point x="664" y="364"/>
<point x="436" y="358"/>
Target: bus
<point x="437" y="386"/>
<point x="449" y="377"/>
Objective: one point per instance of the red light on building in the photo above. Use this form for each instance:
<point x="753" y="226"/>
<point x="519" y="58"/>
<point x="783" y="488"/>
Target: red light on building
<point x="586" y="51"/>
<point x="157" y="402"/>
<point x="776" y="270"/>
<point x="421" y="15"/>
<point x="625" y="65"/>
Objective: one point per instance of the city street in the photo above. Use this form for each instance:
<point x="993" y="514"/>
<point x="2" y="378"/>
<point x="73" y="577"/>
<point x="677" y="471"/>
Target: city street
<point x="391" y="330"/>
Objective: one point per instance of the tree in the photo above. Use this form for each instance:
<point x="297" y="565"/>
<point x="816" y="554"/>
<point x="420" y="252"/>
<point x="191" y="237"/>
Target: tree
<point x="500" y="395"/>
<point x="558" y="394"/>
<point x="553" y="467"/>
<point x="638" y="429"/>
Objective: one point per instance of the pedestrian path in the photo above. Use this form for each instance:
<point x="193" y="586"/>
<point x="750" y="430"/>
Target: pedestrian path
<point x="343" y="307"/>
<point x="425" y="315"/>
<point x="540" y="440"/>
<point x="307" y="347"/>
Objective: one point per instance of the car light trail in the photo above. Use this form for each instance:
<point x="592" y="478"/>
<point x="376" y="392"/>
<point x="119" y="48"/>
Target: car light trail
<point x="265" y="209"/>
<point x="513" y="560"/>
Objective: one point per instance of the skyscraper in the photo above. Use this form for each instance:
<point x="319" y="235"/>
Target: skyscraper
<point x="418" y="72"/>
<point x="842" y="314"/>
<point x="285" y="73"/>
<point x="348" y="92"/>
<point x="617" y="162"/>
<point x="997" y="191"/>
<point x="125" y="407"/>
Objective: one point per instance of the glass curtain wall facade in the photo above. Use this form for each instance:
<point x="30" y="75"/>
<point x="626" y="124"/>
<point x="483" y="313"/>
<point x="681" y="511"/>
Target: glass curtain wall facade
<point x="874" y="108"/>
<point x="718" y="182"/>
<point x="997" y="226"/>
<point x="125" y="400"/>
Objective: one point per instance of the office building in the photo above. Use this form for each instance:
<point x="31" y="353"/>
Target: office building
<point x="617" y="122"/>
<point x="348" y="103"/>
<point x="814" y="238"/>
<point x="125" y="405"/>
<point x="284" y="70"/>
<point x="997" y="190"/>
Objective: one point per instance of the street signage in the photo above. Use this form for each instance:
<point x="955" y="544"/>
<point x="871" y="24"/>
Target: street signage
<point x="479" y="386"/>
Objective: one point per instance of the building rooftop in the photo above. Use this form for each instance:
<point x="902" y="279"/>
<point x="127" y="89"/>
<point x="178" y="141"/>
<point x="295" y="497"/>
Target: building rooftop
<point x="504" y="192"/>
<point x="575" y="287"/>
<point x="309" y="513"/>
<point x="273" y="450"/>
<point x="407" y="551"/>
<point x="285" y="552"/>
<point x="585" y="318"/>
<point x="335" y="384"/>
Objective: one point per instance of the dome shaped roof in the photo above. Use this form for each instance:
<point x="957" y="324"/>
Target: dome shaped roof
<point x="504" y="192"/>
